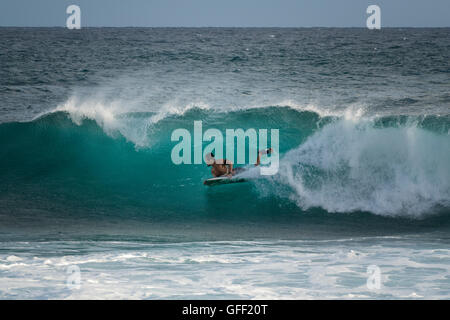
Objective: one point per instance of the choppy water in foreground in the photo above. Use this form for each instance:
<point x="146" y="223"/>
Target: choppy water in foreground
<point x="227" y="269"/>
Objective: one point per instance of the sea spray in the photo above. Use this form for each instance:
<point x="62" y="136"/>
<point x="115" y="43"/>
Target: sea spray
<point x="355" y="166"/>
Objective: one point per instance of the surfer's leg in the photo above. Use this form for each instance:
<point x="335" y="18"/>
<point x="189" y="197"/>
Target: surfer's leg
<point x="258" y="159"/>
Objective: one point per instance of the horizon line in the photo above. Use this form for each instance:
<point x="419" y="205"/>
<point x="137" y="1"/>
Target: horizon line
<point x="235" y="27"/>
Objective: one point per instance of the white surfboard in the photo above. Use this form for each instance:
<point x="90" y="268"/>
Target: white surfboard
<point x="223" y="180"/>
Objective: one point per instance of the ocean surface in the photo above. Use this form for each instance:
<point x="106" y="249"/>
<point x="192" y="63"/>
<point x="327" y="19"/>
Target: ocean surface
<point x="91" y="205"/>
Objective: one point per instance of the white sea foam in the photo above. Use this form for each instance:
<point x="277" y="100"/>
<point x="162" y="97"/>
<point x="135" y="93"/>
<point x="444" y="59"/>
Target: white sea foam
<point x="410" y="268"/>
<point x="354" y="166"/>
<point x="13" y="259"/>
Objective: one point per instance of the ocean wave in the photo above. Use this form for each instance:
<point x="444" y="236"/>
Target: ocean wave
<point x="358" y="166"/>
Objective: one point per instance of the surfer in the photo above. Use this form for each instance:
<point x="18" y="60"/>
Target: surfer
<point x="224" y="167"/>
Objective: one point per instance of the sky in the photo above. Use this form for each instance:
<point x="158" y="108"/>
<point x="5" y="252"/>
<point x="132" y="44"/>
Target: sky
<point x="225" y="13"/>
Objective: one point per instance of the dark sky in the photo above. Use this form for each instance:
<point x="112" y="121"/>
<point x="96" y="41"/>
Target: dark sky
<point x="226" y="13"/>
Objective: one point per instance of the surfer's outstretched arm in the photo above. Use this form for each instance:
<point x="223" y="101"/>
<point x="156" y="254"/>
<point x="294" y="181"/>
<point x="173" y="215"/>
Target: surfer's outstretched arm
<point x="258" y="159"/>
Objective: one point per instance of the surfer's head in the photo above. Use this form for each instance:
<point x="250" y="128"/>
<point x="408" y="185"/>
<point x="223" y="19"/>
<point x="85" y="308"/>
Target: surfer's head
<point x="209" y="159"/>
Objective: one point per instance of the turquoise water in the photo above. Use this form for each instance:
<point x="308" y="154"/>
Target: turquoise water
<point x="87" y="179"/>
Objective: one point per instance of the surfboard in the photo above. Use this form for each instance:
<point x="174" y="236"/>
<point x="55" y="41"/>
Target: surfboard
<point x="222" y="180"/>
